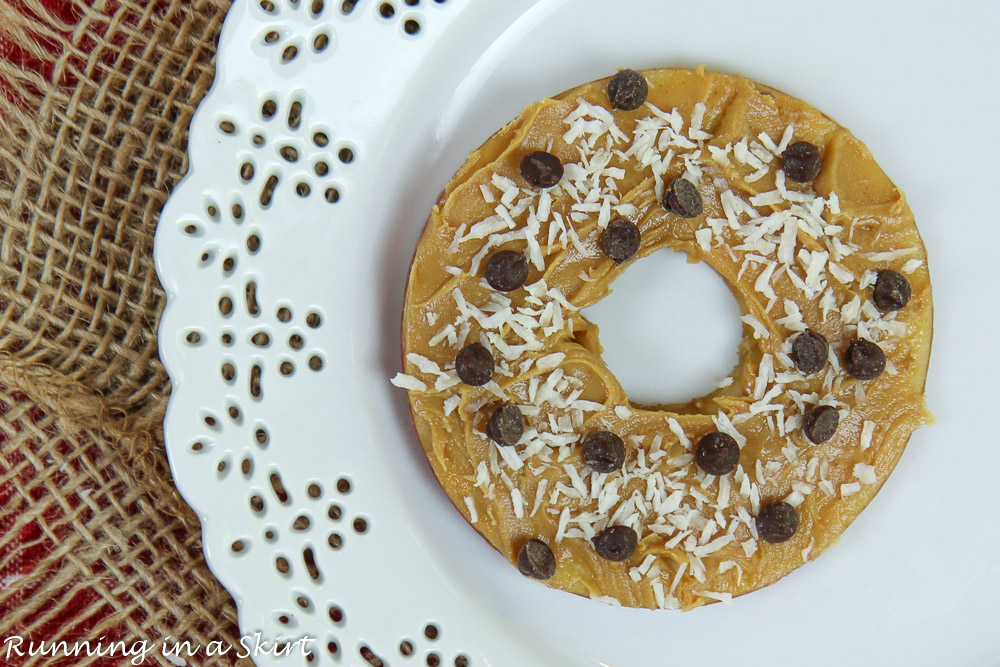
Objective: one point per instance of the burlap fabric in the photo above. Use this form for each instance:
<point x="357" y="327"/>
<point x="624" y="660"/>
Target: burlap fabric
<point x="90" y="147"/>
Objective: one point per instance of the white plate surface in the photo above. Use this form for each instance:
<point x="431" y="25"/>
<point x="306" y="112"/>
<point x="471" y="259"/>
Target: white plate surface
<point x="913" y="581"/>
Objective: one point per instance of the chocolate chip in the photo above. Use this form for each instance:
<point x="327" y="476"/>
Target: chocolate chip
<point x="864" y="359"/>
<point x="802" y="162"/>
<point x="474" y="365"/>
<point x="620" y="240"/>
<point x="627" y="90"/>
<point x="535" y="560"/>
<point x="892" y="291"/>
<point x="506" y="425"/>
<point x="810" y="351"/>
<point x="506" y="270"/>
<point x="541" y="169"/>
<point x="616" y="543"/>
<point x="777" y="522"/>
<point x="820" y="423"/>
<point x="717" y="453"/>
<point x="682" y="198"/>
<point x="604" y="451"/>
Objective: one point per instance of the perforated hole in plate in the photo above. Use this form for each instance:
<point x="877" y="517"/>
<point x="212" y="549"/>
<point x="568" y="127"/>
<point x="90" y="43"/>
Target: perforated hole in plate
<point x="336" y="614"/>
<point x="411" y="26"/>
<point x="315" y="362"/>
<point x="301" y="523"/>
<point x="360" y="526"/>
<point x="278" y="488"/>
<point x="433" y="660"/>
<point x="348" y="6"/>
<point x="267" y="192"/>
<point x="251" y="297"/>
<point x="335" y="540"/>
<point x="255" y="378"/>
<point x="284" y="314"/>
<point x="286" y="368"/>
<point x="227" y="127"/>
<point x="346" y="155"/>
<point x="246" y="172"/>
<point x="257" y="503"/>
<point x="314" y="491"/>
<point x="386" y="10"/>
<point x="321" y="42"/>
<point x="332" y="195"/>
<point x="405" y="648"/>
<point x="309" y="560"/>
<point x="295" y="115"/>
<point x="228" y="372"/>
<point x="253" y="244"/>
<point x="335" y="512"/>
<point x="370" y="657"/>
<point x="431" y="631"/>
<point x="193" y="338"/>
<point x="268" y="109"/>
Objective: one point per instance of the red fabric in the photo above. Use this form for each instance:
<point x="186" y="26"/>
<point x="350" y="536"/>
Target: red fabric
<point x="28" y="552"/>
<point x="79" y="611"/>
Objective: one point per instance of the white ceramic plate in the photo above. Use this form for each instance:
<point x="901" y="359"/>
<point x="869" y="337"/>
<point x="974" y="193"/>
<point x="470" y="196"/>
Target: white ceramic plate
<point x="913" y="580"/>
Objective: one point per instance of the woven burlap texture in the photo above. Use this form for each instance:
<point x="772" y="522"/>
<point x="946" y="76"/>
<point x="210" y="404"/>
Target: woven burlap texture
<point x="88" y="158"/>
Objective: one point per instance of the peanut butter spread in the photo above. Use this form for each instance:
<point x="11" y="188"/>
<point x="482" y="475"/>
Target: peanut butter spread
<point x="802" y="434"/>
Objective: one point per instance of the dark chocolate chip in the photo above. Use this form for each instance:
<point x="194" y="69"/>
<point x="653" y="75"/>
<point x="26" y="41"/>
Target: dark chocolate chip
<point x="864" y="359"/>
<point x="620" y="240"/>
<point x="506" y="270"/>
<point x="604" y="451"/>
<point x="541" y="169"/>
<point x="627" y="90"/>
<point x="892" y="291"/>
<point x="717" y="453"/>
<point x="802" y="162"/>
<point x="535" y="560"/>
<point x="474" y="364"/>
<point x="820" y="423"/>
<point x="777" y="522"/>
<point x="810" y="351"/>
<point x="616" y="543"/>
<point x="682" y="198"/>
<point x="506" y="425"/>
